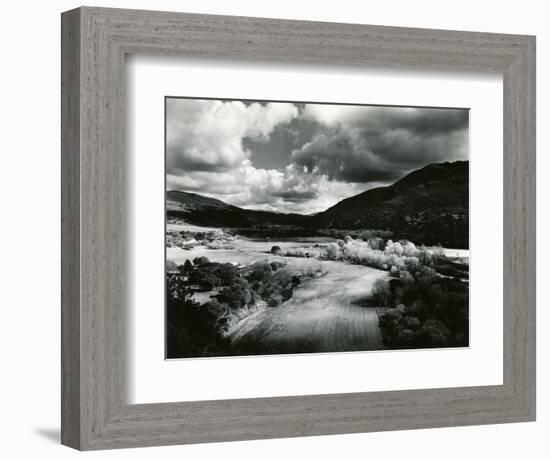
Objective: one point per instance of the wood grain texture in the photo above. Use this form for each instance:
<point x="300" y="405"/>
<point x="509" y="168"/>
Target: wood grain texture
<point x="96" y="414"/>
<point x="70" y="229"/>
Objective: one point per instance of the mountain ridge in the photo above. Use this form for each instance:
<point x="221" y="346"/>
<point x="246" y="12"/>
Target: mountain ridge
<point x="429" y="205"/>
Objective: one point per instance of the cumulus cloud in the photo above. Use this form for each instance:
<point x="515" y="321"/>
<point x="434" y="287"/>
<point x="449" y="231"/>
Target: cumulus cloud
<point x="291" y="190"/>
<point x="207" y="135"/>
<point x="364" y="144"/>
<point x="302" y="158"/>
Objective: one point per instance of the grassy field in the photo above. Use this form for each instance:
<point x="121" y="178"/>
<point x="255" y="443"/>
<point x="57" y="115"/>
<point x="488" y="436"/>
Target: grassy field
<point x="325" y="314"/>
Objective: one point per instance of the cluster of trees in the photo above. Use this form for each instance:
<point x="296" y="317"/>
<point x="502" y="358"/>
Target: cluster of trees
<point x="274" y="231"/>
<point x="426" y="294"/>
<point x="215" y="239"/>
<point x="364" y="234"/>
<point x="209" y="275"/>
<point x="199" y="330"/>
<point x="374" y="252"/>
<point x="191" y="329"/>
<point x="271" y="283"/>
<point x="426" y="309"/>
<point x="296" y="252"/>
<point x="395" y="257"/>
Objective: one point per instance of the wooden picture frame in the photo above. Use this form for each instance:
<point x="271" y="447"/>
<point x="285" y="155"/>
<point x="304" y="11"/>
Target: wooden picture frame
<point x="95" y="412"/>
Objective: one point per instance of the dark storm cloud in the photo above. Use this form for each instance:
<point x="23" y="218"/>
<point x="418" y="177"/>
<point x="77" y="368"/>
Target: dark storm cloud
<point x="427" y="121"/>
<point x="296" y="196"/>
<point x="274" y="152"/>
<point x="303" y="158"/>
<point x="366" y="144"/>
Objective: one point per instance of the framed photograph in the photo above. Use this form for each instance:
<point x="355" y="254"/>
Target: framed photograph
<point x="277" y="228"/>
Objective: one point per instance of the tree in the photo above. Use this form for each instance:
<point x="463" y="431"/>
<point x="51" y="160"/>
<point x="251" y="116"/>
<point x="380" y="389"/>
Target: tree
<point x="332" y="251"/>
<point x="227" y="273"/>
<point x="201" y="260"/>
<point x="205" y="277"/>
<point x="275" y="300"/>
<point x="276" y="249"/>
<point x="235" y="296"/>
<point x="171" y="266"/>
<point x="433" y="333"/>
<point x="376" y="243"/>
<point x="187" y="266"/>
<point x="382" y="293"/>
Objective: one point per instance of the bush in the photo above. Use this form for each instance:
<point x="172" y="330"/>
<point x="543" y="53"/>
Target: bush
<point x="227" y="273"/>
<point x="381" y="292"/>
<point x="394" y="271"/>
<point x="275" y="265"/>
<point x="236" y="296"/>
<point x="393" y="248"/>
<point x="275" y="300"/>
<point x="259" y="272"/>
<point x="201" y="260"/>
<point x="171" y="266"/>
<point x="407" y="280"/>
<point x="411" y="263"/>
<point x="433" y="333"/>
<point x="425" y="276"/>
<point x="275" y="249"/>
<point x="376" y="243"/>
<point x="409" y="248"/>
<point x="187" y="266"/>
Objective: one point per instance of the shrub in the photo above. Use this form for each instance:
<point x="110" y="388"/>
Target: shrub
<point x="227" y="273"/>
<point x="407" y="280"/>
<point x="394" y="271"/>
<point x="236" y="296"/>
<point x="393" y="248"/>
<point x="332" y="252"/>
<point x="201" y="260"/>
<point x="275" y="300"/>
<point x="381" y="292"/>
<point x="411" y="263"/>
<point x="376" y="243"/>
<point x="275" y="249"/>
<point x="433" y="333"/>
<point x="259" y="272"/>
<point x="409" y="248"/>
<point x="222" y="244"/>
<point x="298" y="252"/>
<point x="276" y="265"/>
<point x="171" y="266"/>
<point x="425" y="276"/>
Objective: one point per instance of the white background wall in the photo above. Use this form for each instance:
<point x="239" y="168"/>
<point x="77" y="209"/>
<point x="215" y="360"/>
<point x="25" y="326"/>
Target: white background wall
<point x="29" y="230"/>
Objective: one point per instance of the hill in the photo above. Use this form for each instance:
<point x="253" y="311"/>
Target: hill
<point x="202" y="210"/>
<point x="429" y="206"/>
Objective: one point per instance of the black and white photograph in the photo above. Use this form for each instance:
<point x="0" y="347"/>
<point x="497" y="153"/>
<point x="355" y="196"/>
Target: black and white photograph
<point x="298" y="227"/>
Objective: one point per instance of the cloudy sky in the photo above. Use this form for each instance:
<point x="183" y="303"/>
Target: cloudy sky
<point x="303" y="158"/>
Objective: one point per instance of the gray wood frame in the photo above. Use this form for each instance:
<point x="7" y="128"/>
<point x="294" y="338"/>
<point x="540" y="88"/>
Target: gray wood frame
<point x="95" y="413"/>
